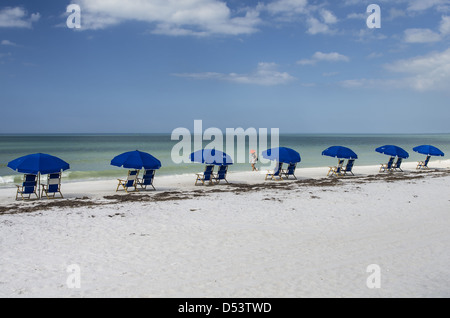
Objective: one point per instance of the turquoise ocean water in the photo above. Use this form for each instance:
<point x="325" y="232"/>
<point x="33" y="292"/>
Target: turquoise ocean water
<point x="89" y="155"/>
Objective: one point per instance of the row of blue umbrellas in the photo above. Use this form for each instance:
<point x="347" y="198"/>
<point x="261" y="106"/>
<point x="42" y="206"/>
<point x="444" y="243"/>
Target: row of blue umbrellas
<point x="46" y="164"/>
<point x="288" y="155"/>
<point x="391" y="150"/>
<point x="41" y="163"/>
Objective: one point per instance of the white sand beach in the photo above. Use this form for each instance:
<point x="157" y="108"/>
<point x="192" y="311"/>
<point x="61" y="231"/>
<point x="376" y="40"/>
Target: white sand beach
<point x="314" y="237"/>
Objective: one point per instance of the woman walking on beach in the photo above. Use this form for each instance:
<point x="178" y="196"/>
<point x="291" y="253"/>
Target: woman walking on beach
<point x="253" y="160"/>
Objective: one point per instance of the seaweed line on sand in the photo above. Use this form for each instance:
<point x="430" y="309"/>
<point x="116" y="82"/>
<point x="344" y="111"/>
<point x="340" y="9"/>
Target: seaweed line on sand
<point x="236" y="188"/>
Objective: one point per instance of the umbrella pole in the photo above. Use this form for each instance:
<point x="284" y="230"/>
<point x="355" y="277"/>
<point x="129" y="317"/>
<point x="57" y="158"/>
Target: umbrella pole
<point x="39" y="183"/>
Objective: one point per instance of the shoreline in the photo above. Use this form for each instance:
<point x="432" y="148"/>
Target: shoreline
<point x="102" y="187"/>
<point x="180" y="187"/>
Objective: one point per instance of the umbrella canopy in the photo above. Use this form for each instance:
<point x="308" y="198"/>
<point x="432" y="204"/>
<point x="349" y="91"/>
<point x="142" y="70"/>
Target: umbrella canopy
<point x="38" y="163"/>
<point x="282" y="154"/>
<point x="211" y="157"/>
<point x="393" y="151"/>
<point x="136" y="160"/>
<point x="428" y="150"/>
<point x="340" y="152"/>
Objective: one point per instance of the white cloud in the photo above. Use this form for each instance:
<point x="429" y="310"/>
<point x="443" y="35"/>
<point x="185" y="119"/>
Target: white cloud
<point x="353" y="83"/>
<point x="445" y="25"/>
<point x="368" y="83"/>
<point x="322" y="25"/>
<point x="395" y="13"/>
<point x="286" y="7"/>
<point x="204" y="17"/>
<point x="318" y="19"/>
<point x="8" y="43"/>
<point x="327" y="57"/>
<point x="424" y="73"/>
<point x="2" y="55"/>
<point x="427" y="35"/>
<point x="351" y="2"/>
<point x="328" y="16"/>
<point x="17" y="18"/>
<point x="422" y="5"/>
<point x="316" y="27"/>
<point x="330" y="57"/>
<point x="375" y="55"/>
<point x="430" y="72"/>
<point x="421" y="36"/>
<point x="329" y="74"/>
<point x="171" y="17"/>
<point x="409" y="7"/>
<point x="266" y="74"/>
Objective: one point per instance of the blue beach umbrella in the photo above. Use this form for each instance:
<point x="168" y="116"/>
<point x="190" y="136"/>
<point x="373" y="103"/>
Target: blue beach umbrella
<point x="211" y="157"/>
<point x="38" y="163"/>
<point x="282" y="154"/>
<point x="428" y="150"/>
<point x="393" y="151"/>
<point x="340" y="153"/>
<point x="136" y="160"/>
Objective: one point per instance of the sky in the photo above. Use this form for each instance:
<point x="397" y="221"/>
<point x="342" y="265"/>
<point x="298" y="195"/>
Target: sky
<point x="151" y="66"/>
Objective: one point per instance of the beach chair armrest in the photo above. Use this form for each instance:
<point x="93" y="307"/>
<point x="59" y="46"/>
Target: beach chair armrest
<point x="122" y="182"/>
<point x="20" y="189"/>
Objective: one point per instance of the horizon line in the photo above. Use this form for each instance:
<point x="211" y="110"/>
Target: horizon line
<point x="169" y="133"/>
